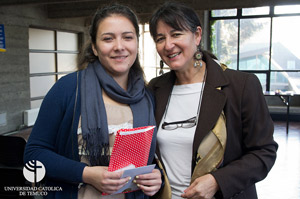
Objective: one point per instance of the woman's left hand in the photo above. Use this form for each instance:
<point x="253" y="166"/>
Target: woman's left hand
<point x="204" y="187"/>
<point x="149" y="183"/>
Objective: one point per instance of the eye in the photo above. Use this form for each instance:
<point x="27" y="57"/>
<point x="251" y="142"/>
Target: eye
<point x="159" y="39"/>
<point x="177" y="34"/>
<point x="107" y="38"/>
<point x="128" y="37"/>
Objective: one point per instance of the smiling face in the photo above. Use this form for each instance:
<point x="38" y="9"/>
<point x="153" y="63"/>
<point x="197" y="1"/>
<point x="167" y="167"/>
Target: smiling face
<point x="116" y="45"/>
<point x="177" y="47"/>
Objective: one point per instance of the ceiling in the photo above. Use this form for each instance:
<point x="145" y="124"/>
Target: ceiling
<point x="85" y="8"/>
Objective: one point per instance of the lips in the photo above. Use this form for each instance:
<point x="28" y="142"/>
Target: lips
<point x="173" y="55"/>
<point x="119" y="57"/>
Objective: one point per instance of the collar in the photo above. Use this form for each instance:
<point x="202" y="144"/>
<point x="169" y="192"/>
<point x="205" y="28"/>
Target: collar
<point x="212" y="104"/>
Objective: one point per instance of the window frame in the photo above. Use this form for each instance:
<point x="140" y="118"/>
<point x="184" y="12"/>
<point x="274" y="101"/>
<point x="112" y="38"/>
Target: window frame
<point x="239" y="17"/>
<point x="56" y="72"/>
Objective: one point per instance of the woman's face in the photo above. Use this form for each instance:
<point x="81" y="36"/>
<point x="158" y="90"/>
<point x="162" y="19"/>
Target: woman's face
<point x="177" y="47"/>
<point x="116" y="45"/>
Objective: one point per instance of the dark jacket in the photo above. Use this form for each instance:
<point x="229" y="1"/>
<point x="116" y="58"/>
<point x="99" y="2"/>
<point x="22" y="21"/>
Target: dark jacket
<point x="250" y="149"/>
<point x="53" y="140"/>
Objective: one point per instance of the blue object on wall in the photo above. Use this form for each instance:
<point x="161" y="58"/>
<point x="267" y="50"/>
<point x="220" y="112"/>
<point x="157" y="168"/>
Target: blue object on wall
<point x="2" y="39"/>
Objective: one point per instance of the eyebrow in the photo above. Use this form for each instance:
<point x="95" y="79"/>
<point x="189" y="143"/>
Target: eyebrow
<point x="172" y="31"/>
<point x="128" y="32"/>
<point x="111" y="33"/>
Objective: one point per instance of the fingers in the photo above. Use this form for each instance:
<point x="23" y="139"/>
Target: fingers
<point x="112" y="181"/>
<point x="103" y="180"/>
<point x="113" y="175"/>
<point x="149" y="179"/>
<point x="114" y="186"/>
<point x="149" y="183"/>
<point x="203" y="187"/>
<point x="155" y="174"/>
<point x="188" y="194"/>
<point x="149" y="190"/>
<point x="190" y="191"/>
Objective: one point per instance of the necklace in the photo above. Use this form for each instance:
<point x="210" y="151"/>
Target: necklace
<point x="201" y="94"/>
<point x="185" y="123"/>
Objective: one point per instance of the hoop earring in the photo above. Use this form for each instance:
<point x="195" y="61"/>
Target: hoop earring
<point x="198" y="58"/>
<point x="161" y="63"/>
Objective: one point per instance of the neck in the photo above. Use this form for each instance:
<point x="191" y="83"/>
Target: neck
<point x="190" y="76"/>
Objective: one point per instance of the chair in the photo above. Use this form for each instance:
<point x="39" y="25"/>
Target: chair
<point x="11" y="166"/>
<point x="12" y="150"/>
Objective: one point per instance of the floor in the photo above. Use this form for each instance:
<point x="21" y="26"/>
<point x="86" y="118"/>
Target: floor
<point x="283" y="181"/>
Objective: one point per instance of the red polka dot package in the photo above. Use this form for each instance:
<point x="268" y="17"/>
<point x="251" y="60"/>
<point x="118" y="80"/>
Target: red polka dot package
<point x="131" y="147"/>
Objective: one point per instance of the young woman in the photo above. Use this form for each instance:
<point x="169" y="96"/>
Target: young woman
<point x="215" y="136"/>
<point x="78" y="119"/>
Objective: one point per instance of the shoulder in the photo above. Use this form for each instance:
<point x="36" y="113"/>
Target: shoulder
<point x="243" y="86"/>
<point x="240" y="77"/>
<point x="64" y="87"/>
<point x="68" y="81"/>
<point x="59" y="98"/>
<point x="234" y="74"/>
<point x="160" y="80"/>
<point x="238" y="83"/>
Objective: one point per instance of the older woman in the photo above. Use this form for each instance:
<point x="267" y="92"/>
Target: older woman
<point x="215" y="138"/>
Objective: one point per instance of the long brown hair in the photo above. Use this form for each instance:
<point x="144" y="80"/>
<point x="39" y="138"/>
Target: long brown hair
<point x="87" y="56"/>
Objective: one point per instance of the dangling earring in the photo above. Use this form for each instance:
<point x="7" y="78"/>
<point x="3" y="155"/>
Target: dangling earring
<point x="161" y="67"/>
<point x="198" y="58"/>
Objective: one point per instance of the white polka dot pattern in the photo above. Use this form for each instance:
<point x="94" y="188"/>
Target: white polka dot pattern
<point x="131" y="149"/>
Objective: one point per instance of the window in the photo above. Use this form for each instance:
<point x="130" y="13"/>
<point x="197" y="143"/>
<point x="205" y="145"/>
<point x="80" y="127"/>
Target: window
<point x="263" y="41"/>
<point x="149" y="58"/>
<point x="52" y="54"/>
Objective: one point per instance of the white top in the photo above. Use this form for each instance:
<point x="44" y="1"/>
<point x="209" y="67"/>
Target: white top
<point x="176" y="145"/>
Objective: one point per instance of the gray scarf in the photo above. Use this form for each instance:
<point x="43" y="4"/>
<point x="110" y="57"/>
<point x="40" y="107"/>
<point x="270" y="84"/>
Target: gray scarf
<point x="93" y="115"/>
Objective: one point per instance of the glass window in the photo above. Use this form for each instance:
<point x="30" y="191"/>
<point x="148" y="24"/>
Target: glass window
<point x="149" y="58"/>
<point x="224" y="41"/>
<point x="52" y="54"/>
<point x="66" y="62"/>
<point x="254" y="44"/>
<point x="35" y="60"/>
<point x="285" y="48"/>
<point x="67" y="41"/>
<point x="149" y="50"/>
<point x="256" y="11"/>
<point x="287" y="9"/>
<point x="265" y="45"/>
<point x="41" y="39"/>
<point x="291" y="64"/>
<point x="39" y="86"/>
<point x="263" y="80"/>
<point x="224" y="13"/>
<point x="285" y="81"/>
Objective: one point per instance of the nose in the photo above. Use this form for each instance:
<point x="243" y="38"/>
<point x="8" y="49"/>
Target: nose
<point x="119" y="44"/>
<point x="169" y="43"/>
